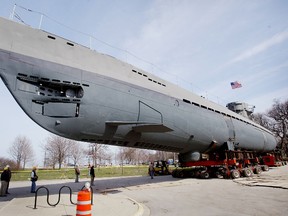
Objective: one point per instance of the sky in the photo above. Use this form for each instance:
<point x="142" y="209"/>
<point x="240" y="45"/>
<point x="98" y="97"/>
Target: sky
<point x="201" y="45"/>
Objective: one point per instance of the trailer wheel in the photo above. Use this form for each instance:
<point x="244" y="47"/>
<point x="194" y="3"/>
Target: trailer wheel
<point x="190" y="174"/>
<point x="181" y="174"/>
<point x="218" y="175"/>
<point x="265" y="168"/>
<point x="174" y="173"/>
<point x="204" y="175"/>
<point x="235" y="174"/>
<point x="247" y="172"/>
<point x="257" y="170"/>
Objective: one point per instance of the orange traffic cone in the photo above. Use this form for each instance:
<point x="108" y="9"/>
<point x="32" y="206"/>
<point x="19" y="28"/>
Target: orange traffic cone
<point x="83" y="203"/>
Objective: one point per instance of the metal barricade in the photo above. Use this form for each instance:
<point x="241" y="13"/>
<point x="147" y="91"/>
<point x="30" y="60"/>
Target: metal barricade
<point x="59" y="196"/>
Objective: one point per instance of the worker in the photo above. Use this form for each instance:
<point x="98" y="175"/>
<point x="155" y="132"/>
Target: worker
<point x="10" y="175"/>
<point x="151" y="170"/>
<point x="92" y="175"/>
<point x="77" y="173"/>
<point x="164" y="167"/>
<point x="4" y="182"/>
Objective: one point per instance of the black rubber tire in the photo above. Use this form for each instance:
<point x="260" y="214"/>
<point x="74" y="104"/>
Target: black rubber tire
<point x="218" y="175"/>
<point x="235" y="174"/>
<point x="257" y="169"/>
<point x="265" y="168"/>
<point x="181" y="174"/>
<point x="174" y="173"/>
<point x="204" y="175"/>
<point x="190" y="174"/>
<point x="247" y="172"/>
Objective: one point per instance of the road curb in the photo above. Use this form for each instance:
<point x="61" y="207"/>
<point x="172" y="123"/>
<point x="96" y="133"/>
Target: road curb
<point x="140" y="211"/>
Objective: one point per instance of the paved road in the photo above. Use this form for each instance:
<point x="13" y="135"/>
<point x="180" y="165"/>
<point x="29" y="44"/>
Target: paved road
<point x="265" y="195"/>
<point x="209" y="197"/>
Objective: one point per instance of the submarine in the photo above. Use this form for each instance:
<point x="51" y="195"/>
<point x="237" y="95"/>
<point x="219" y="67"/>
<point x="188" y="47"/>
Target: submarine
<point x="80" y="94"/>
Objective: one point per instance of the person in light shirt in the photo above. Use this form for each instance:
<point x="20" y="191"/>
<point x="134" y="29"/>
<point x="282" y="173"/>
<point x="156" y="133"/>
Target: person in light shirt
<point x="34" y="178"/>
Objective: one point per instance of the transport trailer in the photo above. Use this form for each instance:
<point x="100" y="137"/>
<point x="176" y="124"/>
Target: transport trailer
<point x="227" y="164"/>
<point x="273" y="159"/>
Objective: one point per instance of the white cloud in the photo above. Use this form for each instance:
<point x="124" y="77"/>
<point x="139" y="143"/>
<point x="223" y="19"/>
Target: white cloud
<point x="175" y="31"/>
<point x="276" y="39"/>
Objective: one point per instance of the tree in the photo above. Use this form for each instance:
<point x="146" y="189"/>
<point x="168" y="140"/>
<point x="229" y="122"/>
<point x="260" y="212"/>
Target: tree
<point x="163" y="155"/>
<point x="139" y="156"/>
<point x="76" y="152"/>
<point x="56" y="150"/>
<point x="263" y="120"/>
<point x="135" y="156"/>
<point x="276" y="120"/>
<point x="128" y="155"/>
<point x="279" y="113"/>
<point x="21" y="151"/>
<point x="142" y="156"/>
<point x="98" y="153"/>
<point x="5" y="161"/>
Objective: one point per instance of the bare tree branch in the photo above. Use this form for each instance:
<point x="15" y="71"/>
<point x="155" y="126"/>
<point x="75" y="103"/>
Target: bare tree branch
<point x="76" y="152"/>
<point x="279" y="113"/>
<point x="21" y="151"/>
<point x="99" y="153"/>
<point x="56" y="150"/>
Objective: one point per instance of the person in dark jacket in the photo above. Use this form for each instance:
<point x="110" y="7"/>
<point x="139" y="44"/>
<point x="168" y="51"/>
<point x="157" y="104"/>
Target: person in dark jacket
<point x="77" y="173"/>
<point x="4" y="182"/>
<point x="10" y="175"/>
<point x="92" y="175"/>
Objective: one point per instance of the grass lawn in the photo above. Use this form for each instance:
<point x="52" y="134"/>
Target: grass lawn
<point x="69" y="173"/>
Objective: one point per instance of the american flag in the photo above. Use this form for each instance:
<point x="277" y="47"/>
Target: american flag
<point x="235" y="85"/>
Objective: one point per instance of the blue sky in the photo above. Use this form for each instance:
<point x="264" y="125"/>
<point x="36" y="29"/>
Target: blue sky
<point x="202" y="45"/>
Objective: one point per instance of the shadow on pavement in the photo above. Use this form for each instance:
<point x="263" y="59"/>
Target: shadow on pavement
<point x="102" y="185"/>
